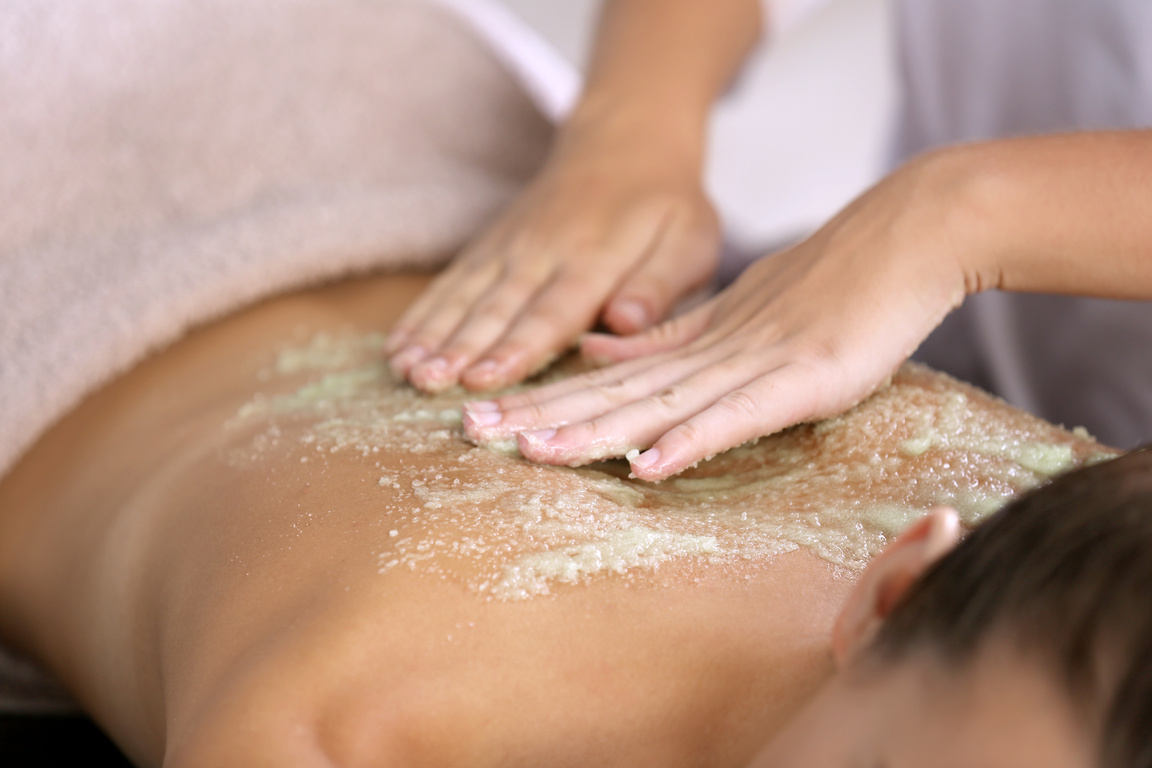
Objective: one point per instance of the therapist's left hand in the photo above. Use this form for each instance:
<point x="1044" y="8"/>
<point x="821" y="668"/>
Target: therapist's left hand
<point x="804" y="334"/>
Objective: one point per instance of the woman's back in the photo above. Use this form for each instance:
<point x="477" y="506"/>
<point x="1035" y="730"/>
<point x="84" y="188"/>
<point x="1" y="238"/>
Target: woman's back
<point x="256" y="545"/>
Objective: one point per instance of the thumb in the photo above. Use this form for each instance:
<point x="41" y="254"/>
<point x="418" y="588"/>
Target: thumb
<point x="682" y="260"/>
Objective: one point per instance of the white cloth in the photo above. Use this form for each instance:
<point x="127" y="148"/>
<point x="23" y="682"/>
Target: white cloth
<point x="168" y="161"/>
<point x="783" y="17"/>
<point x="982" y="69"/>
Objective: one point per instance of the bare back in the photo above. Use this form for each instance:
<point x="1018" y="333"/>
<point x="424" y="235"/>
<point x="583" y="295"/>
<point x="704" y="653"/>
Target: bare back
<point x="257" y="548"/>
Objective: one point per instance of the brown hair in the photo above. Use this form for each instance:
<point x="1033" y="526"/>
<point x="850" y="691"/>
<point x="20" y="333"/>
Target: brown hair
<point x="1066" y="572"/>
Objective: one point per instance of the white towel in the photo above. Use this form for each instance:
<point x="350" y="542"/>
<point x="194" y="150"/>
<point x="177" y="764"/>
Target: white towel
<point x="167" y="161"/>
<point x="164" y="162"/>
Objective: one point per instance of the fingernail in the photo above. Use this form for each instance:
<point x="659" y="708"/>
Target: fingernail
<point x="433" y="367"/>
<point x="539" y="435"/>
<point x="646" y="459"/>
<point x="482" y="406"/>
<point x="481" y="418"/>
<point x="635" y="313"/>
<point x="482" y="371"/>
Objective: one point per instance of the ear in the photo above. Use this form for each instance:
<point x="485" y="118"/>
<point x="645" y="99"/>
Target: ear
<point x="888" y="577"/>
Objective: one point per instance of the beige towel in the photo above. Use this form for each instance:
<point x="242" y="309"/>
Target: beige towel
<point x="163" y="162"/>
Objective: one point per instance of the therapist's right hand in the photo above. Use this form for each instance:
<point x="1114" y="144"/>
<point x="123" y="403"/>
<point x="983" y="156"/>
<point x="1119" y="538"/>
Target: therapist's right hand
<point x="612" y="231"/>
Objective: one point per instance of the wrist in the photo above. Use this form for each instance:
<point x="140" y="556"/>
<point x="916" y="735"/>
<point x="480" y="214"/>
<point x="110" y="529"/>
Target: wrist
<point x="967" y="186"/>
<point x="673" y="134"/>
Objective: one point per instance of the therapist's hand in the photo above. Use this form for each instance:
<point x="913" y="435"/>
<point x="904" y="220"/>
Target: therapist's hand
<point x="611" y="230"/>
<point x="804" y="334"/>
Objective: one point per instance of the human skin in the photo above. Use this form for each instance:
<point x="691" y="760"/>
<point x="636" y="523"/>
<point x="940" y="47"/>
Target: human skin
<point x="208" y="615"/>
<point x="808" y="332"/>
<point x="616" y="227"/>
<point x="1003" y="707"/>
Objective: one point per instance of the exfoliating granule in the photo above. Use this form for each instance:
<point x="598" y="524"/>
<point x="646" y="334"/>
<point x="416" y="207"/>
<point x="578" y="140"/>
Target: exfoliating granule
<point x="841" y="488"/>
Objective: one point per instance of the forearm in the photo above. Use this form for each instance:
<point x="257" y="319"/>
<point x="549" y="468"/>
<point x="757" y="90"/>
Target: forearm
<point x="1068" y="214"/>
<point x="657" y="66"/>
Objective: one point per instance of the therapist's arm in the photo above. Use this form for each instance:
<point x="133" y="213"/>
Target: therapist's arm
<point x="808" y="332"/>
<point x="615" y="228"/>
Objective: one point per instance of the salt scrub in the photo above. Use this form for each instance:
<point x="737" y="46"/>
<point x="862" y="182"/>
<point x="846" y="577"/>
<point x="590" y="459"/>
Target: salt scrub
<point x="597" y="450"/>
<point x="512" y="530"/>
<point x="618" y="551"/>
<point x="949" y="428"/>
<point x="324" y="352"/>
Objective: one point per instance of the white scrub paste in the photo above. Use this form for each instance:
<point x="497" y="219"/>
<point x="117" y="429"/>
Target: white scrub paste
<point x="511" y="529"/>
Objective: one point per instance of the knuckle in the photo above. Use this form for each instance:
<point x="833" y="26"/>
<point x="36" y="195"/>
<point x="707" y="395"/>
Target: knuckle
<point x="739" y="405"/>
<point x="669" y="398"/>
<point x="817" y="342"/>
<point x="614" y="392"/>
<point x="534" y="415"/>
<point x="688" y="433"/>
<point x="816" y="351"/>
<point x="594" y="430"/>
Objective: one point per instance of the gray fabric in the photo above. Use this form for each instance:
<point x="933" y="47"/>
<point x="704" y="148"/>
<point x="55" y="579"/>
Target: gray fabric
<point x="980" y="69"/>
<point x="168" y="161"/>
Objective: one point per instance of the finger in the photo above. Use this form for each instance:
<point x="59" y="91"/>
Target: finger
<point x="437" y="313"/>
<point x="786" y="396"/>
<point x="639" y="423"/>
<point x="569" y="306"/>
<point x="682" y="259"/>
<point x="558" y="389"/>
<point x="552" y="319"/>
<point x="595" y="395"/>
<point x="549" y="322"/>
<point x="602" y="348"/>
<point x="485" y="322"/>
<point x="462" y="270"/>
